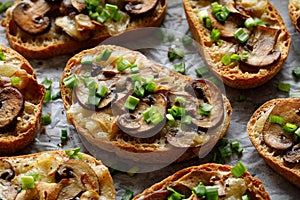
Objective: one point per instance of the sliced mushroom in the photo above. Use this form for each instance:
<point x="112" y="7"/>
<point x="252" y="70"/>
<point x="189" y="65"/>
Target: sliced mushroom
<point x="78" y="4"/>
<point x="260" y="47"/>
<point x="90" y="195"/>
<point x="84" y="23"/>
<point x="273" y="133"/>
<point x="293" y="157"/>
<point x="8" y="190"/>
<point x="32" y="18"/>
<point x="6" y="170"/>
<point x="11" y="104"/>
<point x="75" y="177"/>
<point x="133" y="123"/>
<point x="139" y="7"/>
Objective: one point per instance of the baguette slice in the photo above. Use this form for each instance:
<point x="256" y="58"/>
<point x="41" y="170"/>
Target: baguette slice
<point x="210" y="174"/>
<point x="57" y="177"/>
<point x="21" y="103"/>
<point x="56" y="42"/>
<point x="294" y="11"/>
<point x="251" y="72"/>
<point x="276" y="157"/>
<point x="101" y="128"/>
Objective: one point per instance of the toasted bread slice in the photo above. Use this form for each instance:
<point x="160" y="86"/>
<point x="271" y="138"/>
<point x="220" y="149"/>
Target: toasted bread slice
<point x="294" y="11"/>
<point x="104" y="127"/>
<point x="21" y="102"/>
<point x="280" y="156"/>
<point x="210" y="174"/>
<point x="55" y="175"/>
<point x="259" y="67"/>
<point x="56" y="40"/>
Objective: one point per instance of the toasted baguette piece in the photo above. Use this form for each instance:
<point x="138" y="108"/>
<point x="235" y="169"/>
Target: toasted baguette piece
<point x="55" y="41"/>
<point x="275" y="158"/>
<point x="101" y="128"/>
<point x="240" y="74"/>
<point x="18" y="129"/>
<point x="294" y="11"/>
<point x="210" y="174"/>
<point x="57" y="176"/>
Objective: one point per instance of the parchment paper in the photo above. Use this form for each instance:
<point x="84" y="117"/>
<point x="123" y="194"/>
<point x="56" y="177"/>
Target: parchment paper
<point x="278" y="187"/>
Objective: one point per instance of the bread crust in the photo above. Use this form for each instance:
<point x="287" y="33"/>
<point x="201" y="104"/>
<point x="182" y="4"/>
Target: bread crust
<point x="294" y="12"/>
<point x="43" y="47"/>
<point x="254" y="185"/>
<point x="238" y="76"/>
<point x="138" y="151"/>
<point x="44" y="163"/>
<point x="29" y="120"/>
<point x="270" y="155"/>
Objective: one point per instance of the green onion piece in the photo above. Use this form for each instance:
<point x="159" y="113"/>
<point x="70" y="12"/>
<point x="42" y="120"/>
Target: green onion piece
<point x="225" y="151"/>
<point x="6" y="5"/>
<point x="87" y="60"/>
<point x="297" y="132"/>
<point x="127" y="195"/>
<point x="46" y="119"/>
<point x="296" y="72"/>
<point x="105" y="54"/>
<point x="2" y="55"/>
<point x="169" y="38"/>
<point x="157" y="117"/>
<point x="138" y="89"/>
<point x="245" y="55"/>
<point x="147" y="115"/>
<point x="102" y="91"/>
<point x="150" y="87"/>
<point x="222" y="142"/>
<point x="226" y="59"/>
<point x="94" y="15"/>
<point x="276" y="119"/>
<point x="217" y="158"/>
<point x="148" y="79"/>
<point x="56" y="96"/>
<point x="211" y="193"/>
<point x="235" y="57"/>
<point x="249" y="23"/>
<point x="104" y="16"/>
<point x="199" y="190"/>
<point x="71" y="81"/>
<point x="202" y="15"/>
<point x="234" y="144"/>
<point x="175" y="53"/>
<point x="180" y="100"/>
<point x="241" y="35"/>
<point x="208" y="23"/>
<point x="240" y="98"/>
<point x="47" y="97"/>
<point x="175" y="195"/>
<point x="216" y="7"/>
<point x="134" y="68"/>
<point x="47" y="83"/>
<point x="64" y="135"/>
<point x="27" y="182"/>
<point x="152" y="115"/>
<point x="180" y="67"/>
<point x="215" y="34"/>
<point x="122" y="64"/>
<point x="245" y="197"/>
<point x="186" y="40"/>
<point x="284" y="87"/>
<point x="111" y="7"/>
<point x="201" y="71"/>
<point x="222" y="15"/>
<point x="176" y="111"/>
<point x="295" y="95"/>
<point x="73" y="153"/>
<point x="117" y="16"/>
<point x="93" y="100"/>
<point x="290" y="128"/>
<point x="187" y="119"/>
<point x="205" y="109"/>
<point x="238" y="170"/>
<point x="136" y="77"/>
<point x="15" y="80"/>
<point x="131" y="102"/>
<point x="171" y="119"/>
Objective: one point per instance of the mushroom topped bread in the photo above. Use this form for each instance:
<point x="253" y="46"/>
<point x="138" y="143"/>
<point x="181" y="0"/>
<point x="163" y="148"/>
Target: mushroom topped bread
<point x="274" y="130"/>
<point x="207" y="181"/>
<point x="55" y="175"/>
<point x="244" y="42"/>
<point x="294" y="11"/>
<point x="47" y="28"/>
<point x="121" y="102"/>
<point x="21" y="99"/>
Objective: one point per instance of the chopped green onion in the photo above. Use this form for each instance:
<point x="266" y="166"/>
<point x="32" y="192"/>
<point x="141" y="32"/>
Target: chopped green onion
<point x="152" y="115"/>
<point x="150" y="87"/>
<point x="225" y="151"/>
<point x="56" y="96"/>
<point x="238" y="170"/>
<point x="176" y="111"/>
<point x="157" y="117"/>
<point x="180" y="100"/>
<point x="122" y="64"/>
<point x="27" y="182"/>
<point x="234" y="144"/>
<point x="87" y="60"/>
<point x="276" y="119"/>
<point x="104" y="16"/>
<point x="2" y="55"/>
<point x="127" y="195"/>
<point x="297" y="132"/>
<point x="111" y="7"/>
<point x="240" y="98"/>
<point x="220" y="12"/>
<point x="249" y="23"/>
<point x="15" y="80"/>
<point x="187" y="119"/>
<point x="169" y="38"/>
<point x="216" y="7"/>
<point x="71" y="81"/>
<point x="171" y="119"/>
<point x="245" y="197"/>
<point x="64" y="135"/>
<point x="131" y="102"/>
<point x="47" y="83"/>
<point x="199" y="190"/>
<point x="245" y="55"/>
<point x="175" y="195"/>
<point x="241" y="35"/>
<point x="226" y="59"/>
<point x="93" y="100"/>
<point x="138" y="89"/>
<point x="102" y="91"/>
<point x="105" y="54"/>
<point x="290" y="128"/>
<point x="186" y="40"/>
<point x="235" y="57"/>
<point x="296" y="72"/>
<point x="136" y="77"/>
<point x="205" y="109"/>
<point x="202" y="71"/>
<point x="134" y="68"/>
<point x="117" y="16"/>
<point x="295" y="95"/>
<point x="73" y="153"/>
<point x="222" y="142"/>
<point x="148" y="79"/>
<point x="202" y="15"/>
<point x="6" y="5"/>
<point x="211" y="193"/>
<point x="180" y="67"/>
<point x="284" y="87"/>
<point x="47" y="97"/>
<point x="175" y="53"/>
<point x="215" y="34"/>
<point x="46" y="119"/>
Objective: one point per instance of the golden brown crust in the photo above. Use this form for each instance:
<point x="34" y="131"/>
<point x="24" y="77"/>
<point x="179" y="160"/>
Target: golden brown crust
<point x="254" y="185"/>
<point x="294" y="12"/>
<point x="28" y="121"/>
<point x="152" y="153"/>
<point x="45" y="47"/>
<point x="273" y="159"/>
<point x="238" y="76"/>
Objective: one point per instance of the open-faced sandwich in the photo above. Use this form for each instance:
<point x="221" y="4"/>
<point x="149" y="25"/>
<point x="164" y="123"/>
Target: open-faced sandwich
<point x="21" y="99"/>
<point x="124" y="103"/>
<point x="244" y="42"/>
<point x="274" y="131"/>
<point x="46" y="28"/>
<point x="55" y="175"/>
<point x="294" y="11"/>
<point x="207" y="181"/>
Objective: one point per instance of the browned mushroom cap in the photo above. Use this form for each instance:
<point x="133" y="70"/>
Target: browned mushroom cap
<point x="6" y="170"/>
<point x="273" y="133"/>
<point x="206" y="92"/>
<point x="31" y="18"/>
<point x="78" y="4"/>
<point x="133" y="123"/>
<point x="260" y="47"/>
<point x="293" y="157"/>
<point x="75" y="177"/>
<point x="11" y="104"/>
<point x="139" y="7"/>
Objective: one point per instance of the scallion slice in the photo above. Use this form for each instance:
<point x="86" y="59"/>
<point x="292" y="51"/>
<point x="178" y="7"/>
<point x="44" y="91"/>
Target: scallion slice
<point x="127" y="195"/>
<point x="104" y="16"/>
<point x="175" y="195"/>
<point x="2" y="55"/>
<point x="201" y="71"/>
<point x="171" y="119"/>
<point x="215" y="34"/>
<point x="205" y="109"/>
<point x="202" y="15"/>
<point x="186" y="40"/>
<point x="276" y="119"/>
<point x="150" y="87"/>
<point x="175" y="53"/>
<point x="241" y="35"/>
<point x="211" y="193"/>
<point x="47" y="97"/>
<point x="74" y="153"/>
<point x="239" y="170"/>
<point x="15" y="80"/>
<point x="284" y="87"/>
<point x="131" y="102"/>
<point x="138" y="88"/>
<point x="235" y="57"/>
<point x="93" y="100"/>
<point x="187" y="119"/>
<point x="225" y="151"/>
<point x="46" y="119"/>
<point x="180" y="67"/>
<point x="104" y="56"/>
<point x="296" y="72"/>
<point x="87" y="60"/>
<point x="199" y="190"/>
<point x="180" y="100"/>
<point x="297" y="132"/>
<point x="152" y="115"/>
<point x="64" y="135"/>
<point x="290" y="128"/>
<point x="71" y="81"/>
<point x="245" y="55"/>
<point x="47" y="83"/>
<point x="56" y="96"/>
<point x="226" y="59"/>
<point x="176" y="111"/>
<point x="27" y="182"/>
<point x="102" y="91"/>
<point x="122" y="64"/>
